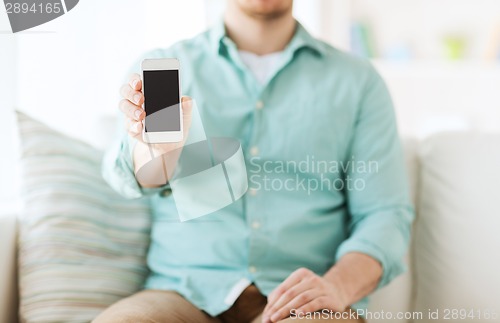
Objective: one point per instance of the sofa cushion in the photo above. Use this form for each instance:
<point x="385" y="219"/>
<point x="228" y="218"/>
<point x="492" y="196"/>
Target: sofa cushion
<point x="81" y="246"/>
<point x="457" y="244"/>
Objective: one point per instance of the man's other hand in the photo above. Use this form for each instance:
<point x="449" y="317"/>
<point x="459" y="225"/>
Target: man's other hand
<point x="303" y="292"/>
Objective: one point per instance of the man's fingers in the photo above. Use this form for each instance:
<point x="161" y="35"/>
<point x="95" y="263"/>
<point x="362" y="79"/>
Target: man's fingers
<point x="314" y="305"/>
<point x="297" y="302"/>
<point x="296" y="291"/>
<point x="135" y="82"/>
<point x="127" y="92"/>
<point x="131" y="111"/>
<point x="292" y="280"/>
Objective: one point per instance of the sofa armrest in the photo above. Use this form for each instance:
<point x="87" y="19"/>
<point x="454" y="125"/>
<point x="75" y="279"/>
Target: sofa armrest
<point x="8" y="265"/>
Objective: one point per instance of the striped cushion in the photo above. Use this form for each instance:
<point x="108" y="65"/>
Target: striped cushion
<point x="82" y="247"/>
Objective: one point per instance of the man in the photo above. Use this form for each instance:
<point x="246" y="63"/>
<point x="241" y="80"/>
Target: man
<point x="283" y="253"/>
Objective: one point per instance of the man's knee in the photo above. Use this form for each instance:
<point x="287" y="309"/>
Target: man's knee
<point x="152" y="306"/>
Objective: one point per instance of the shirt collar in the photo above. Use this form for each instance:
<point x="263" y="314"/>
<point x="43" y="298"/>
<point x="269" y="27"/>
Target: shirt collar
<point x="301" y="39"/>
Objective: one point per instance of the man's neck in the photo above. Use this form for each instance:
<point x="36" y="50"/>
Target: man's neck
<point x="259" y="35"/>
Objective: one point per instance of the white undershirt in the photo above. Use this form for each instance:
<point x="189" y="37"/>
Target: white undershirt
<point x="261" y="66"/>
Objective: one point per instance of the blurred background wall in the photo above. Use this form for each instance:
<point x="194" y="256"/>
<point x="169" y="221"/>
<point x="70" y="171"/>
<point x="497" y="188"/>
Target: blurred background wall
<point x="441" y="60"/>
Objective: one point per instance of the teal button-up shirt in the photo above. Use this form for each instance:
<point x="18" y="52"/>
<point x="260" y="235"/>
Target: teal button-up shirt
<point x="324" y="163"/>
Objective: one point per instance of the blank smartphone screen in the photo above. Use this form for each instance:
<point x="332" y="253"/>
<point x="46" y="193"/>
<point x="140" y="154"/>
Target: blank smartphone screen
<point x="161" y="95"/>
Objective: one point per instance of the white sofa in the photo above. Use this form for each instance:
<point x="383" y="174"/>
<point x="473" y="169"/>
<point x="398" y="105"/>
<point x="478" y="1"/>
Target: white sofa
<point x="454" y="260"/>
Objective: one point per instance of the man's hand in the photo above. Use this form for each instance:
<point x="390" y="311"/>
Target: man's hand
<point x="353" y="277"/>
<point x="304" y="291"/>
<point x="131" y="107"/>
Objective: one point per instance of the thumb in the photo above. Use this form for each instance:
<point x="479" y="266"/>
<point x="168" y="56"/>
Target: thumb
<point x="187" y="105"/>
<point x="187" y="113"/>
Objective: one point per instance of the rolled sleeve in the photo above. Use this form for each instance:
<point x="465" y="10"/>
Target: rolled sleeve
<point x="383" y="236"/>
<point x="379" y="204"/>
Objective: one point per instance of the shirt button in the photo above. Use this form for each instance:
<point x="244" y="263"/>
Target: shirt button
<point x="254" y="151"/>
<point x="259" y="105"/>
<point x="252" y="269"/>
<point x="166" y="192"/>
<point x="255" y="224"/>
<point x="252" y="191"/>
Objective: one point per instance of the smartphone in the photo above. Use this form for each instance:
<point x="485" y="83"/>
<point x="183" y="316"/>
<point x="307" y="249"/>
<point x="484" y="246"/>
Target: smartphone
<point x="162" y="100"/>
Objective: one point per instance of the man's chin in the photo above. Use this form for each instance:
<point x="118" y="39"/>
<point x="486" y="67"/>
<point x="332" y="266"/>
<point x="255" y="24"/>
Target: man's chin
<point x="265" y="10"/>
<point x="266" y="14"/>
